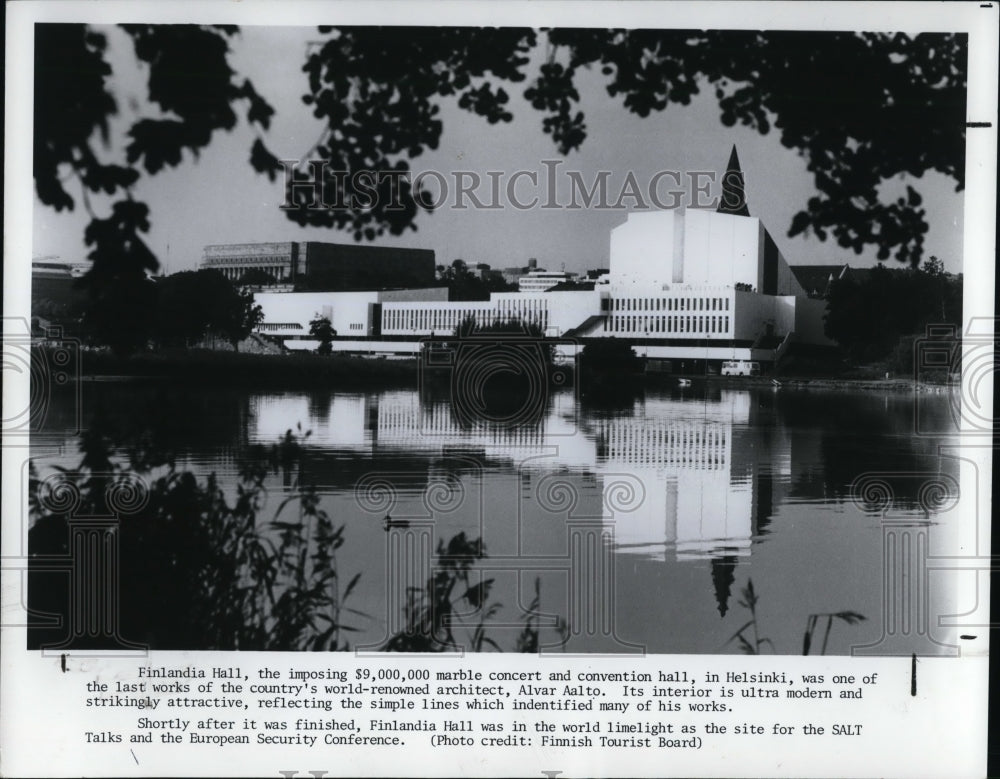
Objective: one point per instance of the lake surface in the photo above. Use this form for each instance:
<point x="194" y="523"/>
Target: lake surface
<point x="640" y="523"/>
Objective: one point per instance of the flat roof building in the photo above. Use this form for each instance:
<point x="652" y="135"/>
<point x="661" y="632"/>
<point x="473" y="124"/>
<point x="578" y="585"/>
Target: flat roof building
<point x="314" y="265"/>
<point x="542" y="280"/>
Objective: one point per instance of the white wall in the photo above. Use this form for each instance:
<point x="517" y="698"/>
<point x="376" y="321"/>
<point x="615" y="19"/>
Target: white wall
<point x="642" y="251"/>
<point x="421" y="293"/>
<point x="344" y="309"/>
<point x="567" y="309"/>
<point x="721" y="249"/>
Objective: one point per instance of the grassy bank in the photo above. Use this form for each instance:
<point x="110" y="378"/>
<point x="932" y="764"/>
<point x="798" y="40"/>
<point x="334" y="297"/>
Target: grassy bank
<point x="201" y="366"/>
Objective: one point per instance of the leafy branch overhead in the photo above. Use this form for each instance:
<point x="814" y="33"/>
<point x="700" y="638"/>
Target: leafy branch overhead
<point x="194" y="90"/>
<point x="861" y="108"/>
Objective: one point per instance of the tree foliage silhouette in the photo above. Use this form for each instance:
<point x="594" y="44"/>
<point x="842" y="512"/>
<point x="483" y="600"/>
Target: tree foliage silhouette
<point x="872" y="317"/>
<point x="322" y="330"/>
<point x="464" y="284"/>
<point x="861" y="108"/>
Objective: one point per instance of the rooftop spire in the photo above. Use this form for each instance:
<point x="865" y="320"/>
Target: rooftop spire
<point x="734" y="196"/>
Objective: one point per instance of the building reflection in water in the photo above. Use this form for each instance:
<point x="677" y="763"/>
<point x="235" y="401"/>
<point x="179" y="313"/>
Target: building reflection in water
<point x="686" y="478"/>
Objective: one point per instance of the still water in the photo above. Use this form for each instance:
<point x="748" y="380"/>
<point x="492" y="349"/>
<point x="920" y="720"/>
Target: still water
<point x="641" y="524"/>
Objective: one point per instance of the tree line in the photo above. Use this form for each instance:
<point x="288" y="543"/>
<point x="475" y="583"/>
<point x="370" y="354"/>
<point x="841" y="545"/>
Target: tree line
<point x="878" y="315"/>
<point x="179" y="310"/>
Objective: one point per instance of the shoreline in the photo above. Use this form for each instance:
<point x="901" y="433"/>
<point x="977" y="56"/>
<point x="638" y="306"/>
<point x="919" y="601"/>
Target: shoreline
<point x="295" y="371"/>
<point x="830" y="383"/>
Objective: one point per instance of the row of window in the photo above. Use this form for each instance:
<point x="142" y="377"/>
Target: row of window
<point x="250" y="260"/>
<point x="267" y="327"/>
<point x="701" y="325"/>
<point x="432" y="319"/>
<point x="412" y="320"/>
<point x="235" y="274"/>
<point x="513" y="306"/>
<point x="670" y="304"/>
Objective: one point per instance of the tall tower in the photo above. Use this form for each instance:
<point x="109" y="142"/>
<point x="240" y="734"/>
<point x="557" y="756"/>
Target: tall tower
<point x="734" y="195"/>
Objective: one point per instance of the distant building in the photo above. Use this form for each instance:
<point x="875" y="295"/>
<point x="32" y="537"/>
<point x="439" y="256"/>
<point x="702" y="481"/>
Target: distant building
<point x="817" y="279"/>
<point x="513" y="274"/>
<point x="542" y="280"/>
<point x="54" y="268"/>
<point x="486" y="274"/>
<point x="318" y="266"/>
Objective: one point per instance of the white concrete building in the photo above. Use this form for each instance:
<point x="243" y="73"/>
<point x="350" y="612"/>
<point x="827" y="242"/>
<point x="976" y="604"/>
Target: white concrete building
<point x="693" y="287"/>
<point x="287" y="315"/>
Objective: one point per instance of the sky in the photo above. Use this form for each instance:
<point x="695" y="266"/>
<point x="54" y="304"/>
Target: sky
<point x="218" y="198"/>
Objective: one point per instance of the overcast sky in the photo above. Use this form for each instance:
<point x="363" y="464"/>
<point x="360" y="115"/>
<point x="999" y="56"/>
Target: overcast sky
<point x="218" y="198"/>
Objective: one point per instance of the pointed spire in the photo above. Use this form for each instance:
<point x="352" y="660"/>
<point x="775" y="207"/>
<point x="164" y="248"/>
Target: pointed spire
<point x="723" y="574"/>
<point x="734" y="195"/>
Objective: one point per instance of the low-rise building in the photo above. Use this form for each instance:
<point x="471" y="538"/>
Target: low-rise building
<point x="542" y="280"/>
<point x="320" y="266"/>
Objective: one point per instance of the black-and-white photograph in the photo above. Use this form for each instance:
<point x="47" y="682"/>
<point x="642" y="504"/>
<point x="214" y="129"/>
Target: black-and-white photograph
<point x="563" y="389"/>
<point x="428" y="339"/>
